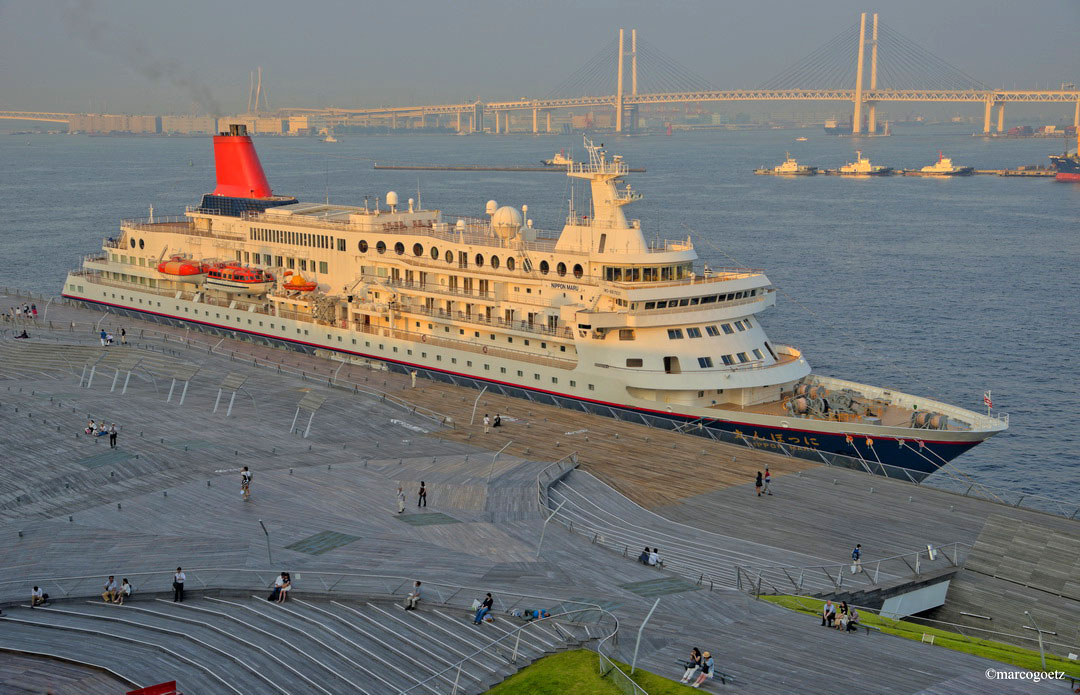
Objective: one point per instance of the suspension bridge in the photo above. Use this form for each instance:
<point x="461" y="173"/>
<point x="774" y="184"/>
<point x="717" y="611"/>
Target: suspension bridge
<point x="867" y="64"/>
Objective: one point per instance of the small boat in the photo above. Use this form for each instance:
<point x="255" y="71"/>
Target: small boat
<point x="183" y="269"/>
<point x="862" y="167"/>
<point x="800" y="139"/>
<point x="942" y="167"/>
<point x="790" y="167"/>
<point x="234" y="278"/>
<point x="298" y="283"/>
<point x="559" y="160"/>
<point x="329" y="138"/>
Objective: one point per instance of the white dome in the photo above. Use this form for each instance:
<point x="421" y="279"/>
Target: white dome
<point x="506" y="216"/>
<point x="490" y="208"/>
<point x="391" y="199"/>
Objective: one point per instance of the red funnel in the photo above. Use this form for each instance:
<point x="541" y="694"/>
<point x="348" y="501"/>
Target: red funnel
<point x="239" y="173"/>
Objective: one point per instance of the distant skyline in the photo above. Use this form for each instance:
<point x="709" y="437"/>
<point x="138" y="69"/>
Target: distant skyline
<point x="150" y="57"/>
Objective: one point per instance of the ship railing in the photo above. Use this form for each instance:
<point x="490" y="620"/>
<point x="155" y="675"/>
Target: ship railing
<point x="483" y="320"/>
<point x="866" y="573"/>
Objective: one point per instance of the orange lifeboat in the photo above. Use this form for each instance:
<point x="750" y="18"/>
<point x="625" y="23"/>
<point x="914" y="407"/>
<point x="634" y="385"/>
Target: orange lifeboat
<point x="297" y="283"/>
<point x="234" y="278"/>
<point x="182" y="269"/>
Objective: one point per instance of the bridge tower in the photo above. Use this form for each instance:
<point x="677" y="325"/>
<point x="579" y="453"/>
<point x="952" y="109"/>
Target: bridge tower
<point x="871" y="106"/>
<point x="619" y="85"/>
<point x="620" y="108"/>
<point x="856" y="120"/>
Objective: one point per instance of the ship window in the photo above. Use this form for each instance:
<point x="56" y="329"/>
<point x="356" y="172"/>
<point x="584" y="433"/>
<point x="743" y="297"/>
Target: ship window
<point x="650" y="305"/>
<point x="694" y="300"/>
<point x="362" y="246"/>
<point x="502" y="370"/>
<point x="634" y="362"/>
<point x="757" y="354"/>
<point x="591" y="387"/>
<point x="712" y="330"/>
<point x="578" y="272"/>
<point x="747" y="322"/>
<point x="693" y="332"/>
<point x="399" y="248"/>
<point x="453" y="360"/>
<point x="544" y="267"/>
<point x="704" y="362"/>
<point x="708" y="300"/>
<point x="743" y="357"/>
<point x="521" y="373"/>
<point x="740" y="326"/>
<point x="526" y="342"/>
<point x="434" y="253"/>
<point x="449" y="256"/>
<point x="728" y="359"/>
<point x="510" y="263"/>
<point x="561" y="269"/>
<point x="626" y="334"/>
<point x="418" y="249"/>
<point x="381" y="247"/>
<point x="479" y="259"/>
<point x="562" y="348"/>
<point x="142" y="243"/>
<point x="674" y="334"/>
<point x="727" y="328"/>
<point x="133" y="242"/>
<point x="495" y="262"/>
<point x="648" y="274"/>
<point x="661" y="305"/>
<point x="322" y="267"/>
<point x="290" y="263"/>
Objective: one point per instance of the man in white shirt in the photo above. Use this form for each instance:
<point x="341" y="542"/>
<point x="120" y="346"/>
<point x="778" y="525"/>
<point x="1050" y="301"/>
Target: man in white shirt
<point x="178" y="585"/>
<point x="109" y="595"/>
<point x="654" y="558"/>
<point x="38" y="597"/>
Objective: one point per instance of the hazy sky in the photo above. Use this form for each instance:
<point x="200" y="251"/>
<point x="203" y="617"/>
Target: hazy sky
<point x="162" y="57"/>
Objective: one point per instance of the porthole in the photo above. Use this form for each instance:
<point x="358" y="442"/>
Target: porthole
<point x="561" y="269"/>
<point x="578" y="272"/>
<point x="543" y="267"/>
<point x="132" y="242"/>
<point x="399" y="248"/>
<point x="418" y="249"/>
<point x="510" y="263"/>
<point x="381" y="247"/>
<point x="449" y="256"/>
<point x="142" y="243"/>
<point x="479" y="260"/>
<point x="434" y="253"/>
<point x="495" y="262"/>
<point x="362" y="245"/>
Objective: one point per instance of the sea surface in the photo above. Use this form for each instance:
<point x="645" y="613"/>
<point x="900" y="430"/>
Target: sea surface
<point x="940" y="287"/>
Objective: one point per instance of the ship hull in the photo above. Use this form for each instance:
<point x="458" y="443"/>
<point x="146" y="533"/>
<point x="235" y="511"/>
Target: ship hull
<point x="912" y="455"/>
<point x="1067" y="167"/>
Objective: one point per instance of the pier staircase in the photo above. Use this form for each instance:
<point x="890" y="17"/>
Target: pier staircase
<point x="241" y="643"/>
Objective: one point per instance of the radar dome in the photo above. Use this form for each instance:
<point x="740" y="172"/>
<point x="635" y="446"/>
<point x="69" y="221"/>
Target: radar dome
<point x="391" y="199"/>
<point x="490" y="208"/>
<point x="506" y="221"/>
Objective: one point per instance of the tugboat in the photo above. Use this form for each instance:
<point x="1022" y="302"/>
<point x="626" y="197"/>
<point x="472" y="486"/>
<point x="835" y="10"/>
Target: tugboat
<point x="790" y="167"/>
<point x="942" y="167"/>
<point x="597" y="316"/>
<point x="559" y="160"/>
<point x="1067" y="165"/>
<point x="862" y="167"/>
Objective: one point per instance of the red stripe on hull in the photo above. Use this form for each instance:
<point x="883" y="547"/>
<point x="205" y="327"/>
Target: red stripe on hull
<point x="1068" y="176"/>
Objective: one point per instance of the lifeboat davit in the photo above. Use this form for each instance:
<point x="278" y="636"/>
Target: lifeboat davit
<point x="297" y="283"/>
<point x="237" y="279"/>
<point x="186" y="270"/>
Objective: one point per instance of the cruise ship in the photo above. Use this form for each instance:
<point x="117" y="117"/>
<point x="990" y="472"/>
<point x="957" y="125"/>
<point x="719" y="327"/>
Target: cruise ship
<point x="596" y="317"/>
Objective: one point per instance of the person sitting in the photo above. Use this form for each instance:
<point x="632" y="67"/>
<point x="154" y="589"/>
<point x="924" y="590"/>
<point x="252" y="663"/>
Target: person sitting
<point x="101" y="431"/>
<point x="38" y="597"/>
<point x="644" y="557"/>
<point x="654" y="558"/>
<point x="123" y="593"/>
<point x="286" y="585"/>
<point x="841" y="617"/>
<point x="828" y="614"/>
<point x="278" y="583"/>
<point x="706" y="670"/>
<point x="692" y="665"/>
<point x="109" y="339"/>
<point x="90" y="427"/>
<point x="497" y="422"/>
<point x="413" y="597"/>
<point x="483" y="609"/>
<point x="109" y="595"/>
<point x="22" y="336"/>
<point x="853" y="620"/>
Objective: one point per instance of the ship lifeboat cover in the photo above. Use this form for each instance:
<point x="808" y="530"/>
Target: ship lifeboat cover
<point x="179" y="267"/>
<point x="299" y="283"/>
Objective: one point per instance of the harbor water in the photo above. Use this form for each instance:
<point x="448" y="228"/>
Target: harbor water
<point x="940" y="287"/>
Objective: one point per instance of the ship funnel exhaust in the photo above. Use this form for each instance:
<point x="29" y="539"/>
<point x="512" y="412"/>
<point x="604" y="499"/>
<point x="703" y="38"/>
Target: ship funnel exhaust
<point x="239" y="173"/>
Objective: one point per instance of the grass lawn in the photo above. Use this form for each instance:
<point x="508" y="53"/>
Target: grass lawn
<point x="1006" y="653"/>
<point x="577" y="673"/>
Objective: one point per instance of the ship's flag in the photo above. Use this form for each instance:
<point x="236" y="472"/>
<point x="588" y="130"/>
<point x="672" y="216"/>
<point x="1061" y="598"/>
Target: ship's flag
<point x="986" y="399"/>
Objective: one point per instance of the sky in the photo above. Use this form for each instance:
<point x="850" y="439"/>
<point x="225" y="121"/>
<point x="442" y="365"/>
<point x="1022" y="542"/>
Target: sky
<point x="183" y="56"/>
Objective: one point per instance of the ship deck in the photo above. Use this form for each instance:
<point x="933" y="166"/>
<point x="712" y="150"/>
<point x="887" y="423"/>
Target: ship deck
<point x="891" y="415"/>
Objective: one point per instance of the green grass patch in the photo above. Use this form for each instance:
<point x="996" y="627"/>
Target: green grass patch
<point x="998" y="651"/>
<point x="578" y="673"/>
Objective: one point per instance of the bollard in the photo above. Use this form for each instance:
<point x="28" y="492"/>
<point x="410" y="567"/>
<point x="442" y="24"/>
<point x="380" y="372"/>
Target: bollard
<point x="118" y="505"/>
<point x="112" y="474"/>
<point x="71" y="519"/>
<point x="871" y="491"/>
<point x="834" y="481"/>
<point x="290" y="470"/>
<point x="20" y="534"/>
<point x="164" y="493"/>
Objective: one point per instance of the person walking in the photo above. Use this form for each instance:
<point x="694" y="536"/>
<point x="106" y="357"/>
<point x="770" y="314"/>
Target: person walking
<point x="400" y="501"/>
<point x="484" y="609"/>
<point x="767" y="480"/>
<point x="487" y="423"/>
<point x="112" y="436"/>
<point x="758" y="483"/>
<point x="123" y="337"/>
<point x="178" y="585"/>
<point x="33" y="311"/>
<point x="856" y="559"/>
<point x="245" y="483"/>
<point x="103" y="336"/>
<point x="421" y="499"/>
